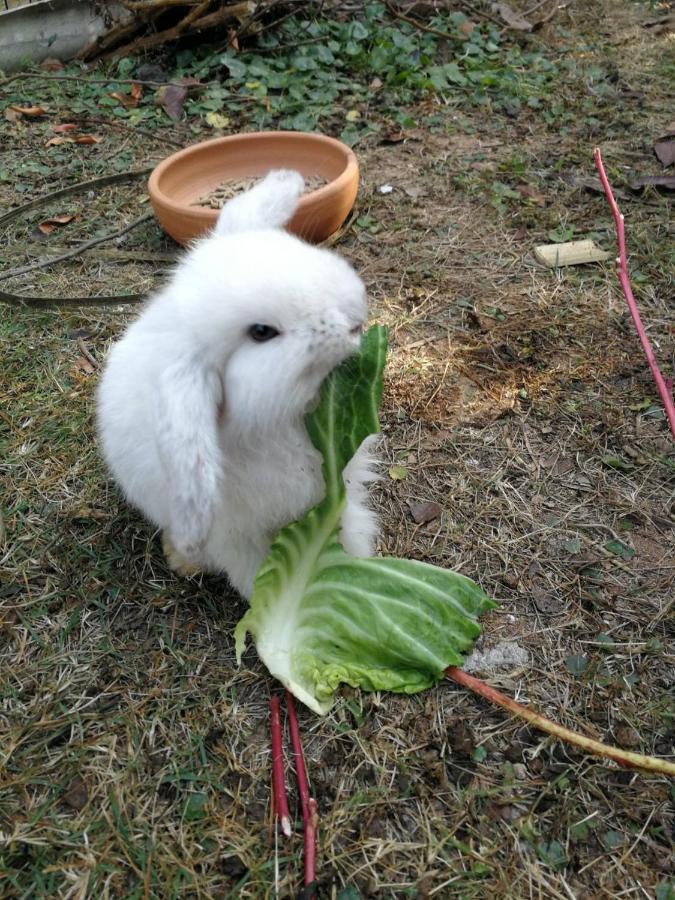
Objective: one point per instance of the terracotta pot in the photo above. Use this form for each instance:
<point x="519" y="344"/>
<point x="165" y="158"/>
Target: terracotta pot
<point x="181" y="179"/>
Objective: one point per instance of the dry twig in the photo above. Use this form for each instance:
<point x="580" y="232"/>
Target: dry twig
<point x="43" y="263"/>
<point x="278" y="784"/>
<point x="310" y="816"/>
<point x="588" y="745"/>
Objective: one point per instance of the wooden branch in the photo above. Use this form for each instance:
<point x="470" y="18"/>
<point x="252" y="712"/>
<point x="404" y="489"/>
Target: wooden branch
<point x="196" y="13"/>
<point x="44" y="263"/>
<point x="418" y="25"/>
<point x="103" y="181"/>
<point x="51" y="302"/>
<point x="116" y="34"/>
<point x="49" y="76"/>
<point x="588" y="745"/>
<point x="219" y="17"/>
<point x="155" y="5"/>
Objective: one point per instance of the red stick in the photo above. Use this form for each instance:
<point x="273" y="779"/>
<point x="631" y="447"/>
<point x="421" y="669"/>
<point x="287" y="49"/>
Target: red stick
<point x="665" y="391"/>
<point x="623" y="757"/>
<point x="296" y="743"/>
<point x="310" y="817"/>
<point x="278" y="785"/>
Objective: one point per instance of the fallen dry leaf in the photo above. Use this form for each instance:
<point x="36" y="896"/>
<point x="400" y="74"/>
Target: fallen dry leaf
<point x="531" y="193"/>
<point x="50" y="225"/>
<point x="51" y="64"/>
<point x="33" y="112"/>
<point x="466" y="29"/>
<point x="216" y="120"/>
<point x="83" y="366"/>
<point x="74" y="139"/>
<point x="130" y="100"/>
<point x="77" y="795"/>
<point x="12" y="115"/>
<point x="86" y="512"/>
<point x="394" y="137"/>
<point x="64" y="128"/>
<point x="664" y="149"/>
<point x="512" y="18"/>
<point x="171" y="98"/>
<point x="424" y="511"/>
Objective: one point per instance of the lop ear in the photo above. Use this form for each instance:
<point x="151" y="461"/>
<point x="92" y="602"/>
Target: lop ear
<point x="270" y="204"/>
<point x="187" y="435"/>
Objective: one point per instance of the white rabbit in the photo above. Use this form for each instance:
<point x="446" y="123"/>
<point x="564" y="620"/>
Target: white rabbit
<point x="201" y="403"/>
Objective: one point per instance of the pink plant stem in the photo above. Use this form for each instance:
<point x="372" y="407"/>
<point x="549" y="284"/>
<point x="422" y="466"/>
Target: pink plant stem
<point x="588" y="745"/>
<point x="665" y="392"/>
<point x="278" y="785"/>
<point x="310" y="817"/>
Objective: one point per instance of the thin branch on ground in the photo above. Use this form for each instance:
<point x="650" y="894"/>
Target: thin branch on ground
<point x="588" y="745"/>
<point x="480" y="13"/>
<point x="310" y="816"/>
<point x="91" y="184"/>
<point x="664" y="389"/>
<point x="52" y="260"/>
<point x="51" y="302"/>
<point x="414" y="22"/>
<point x="278" y="784"/>
<point x="86" y="352"/>
<point x="131" y="129"/>
<point x="85" y="79"/>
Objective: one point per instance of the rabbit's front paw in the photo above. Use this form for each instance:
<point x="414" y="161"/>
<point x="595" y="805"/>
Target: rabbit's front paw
<point x="177" y="562"/>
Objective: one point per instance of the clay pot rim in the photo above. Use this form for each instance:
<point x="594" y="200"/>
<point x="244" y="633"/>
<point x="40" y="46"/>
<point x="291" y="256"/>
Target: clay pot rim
<point x="206" y="215"/>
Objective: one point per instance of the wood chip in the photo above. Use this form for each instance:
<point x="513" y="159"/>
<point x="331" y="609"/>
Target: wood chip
<point x="572" y="253"/>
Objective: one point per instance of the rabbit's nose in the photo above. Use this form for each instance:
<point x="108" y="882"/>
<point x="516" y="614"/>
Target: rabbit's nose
<point x="356" y="330"/>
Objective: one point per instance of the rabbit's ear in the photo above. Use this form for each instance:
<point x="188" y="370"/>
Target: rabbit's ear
<point x="270" y="204"/>
<point x="187" y="434"/>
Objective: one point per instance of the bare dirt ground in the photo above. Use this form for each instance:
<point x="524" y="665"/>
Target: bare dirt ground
<point x="135" y="754"/>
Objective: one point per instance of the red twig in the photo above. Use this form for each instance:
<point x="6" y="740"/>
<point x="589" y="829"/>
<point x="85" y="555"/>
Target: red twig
<point x="278" y="785"/>
<point x="300" y="770"/>
<point x="664" y="388"/>
<point x="623" y="757"/>
<point x="310" y="817"/>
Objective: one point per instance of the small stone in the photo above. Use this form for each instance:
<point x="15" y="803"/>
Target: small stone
<point x="520" y="771"/>
<point x="424" y="511"/>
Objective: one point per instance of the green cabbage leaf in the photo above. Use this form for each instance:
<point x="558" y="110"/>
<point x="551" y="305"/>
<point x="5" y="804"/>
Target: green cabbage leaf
<point x="320" y="617"/>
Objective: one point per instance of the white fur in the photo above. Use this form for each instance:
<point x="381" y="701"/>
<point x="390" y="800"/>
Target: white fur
<point x="202" y="427"/>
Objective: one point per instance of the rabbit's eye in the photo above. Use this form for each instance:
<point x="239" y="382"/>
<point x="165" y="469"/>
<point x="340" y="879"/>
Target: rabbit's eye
<point x="262" y="333"/>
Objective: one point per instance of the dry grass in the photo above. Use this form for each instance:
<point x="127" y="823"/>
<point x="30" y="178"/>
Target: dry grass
<point x="135" y="755"/>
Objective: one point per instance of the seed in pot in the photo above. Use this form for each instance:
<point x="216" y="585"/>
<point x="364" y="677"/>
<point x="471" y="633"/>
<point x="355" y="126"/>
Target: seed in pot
<point x="226" y="190"/>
